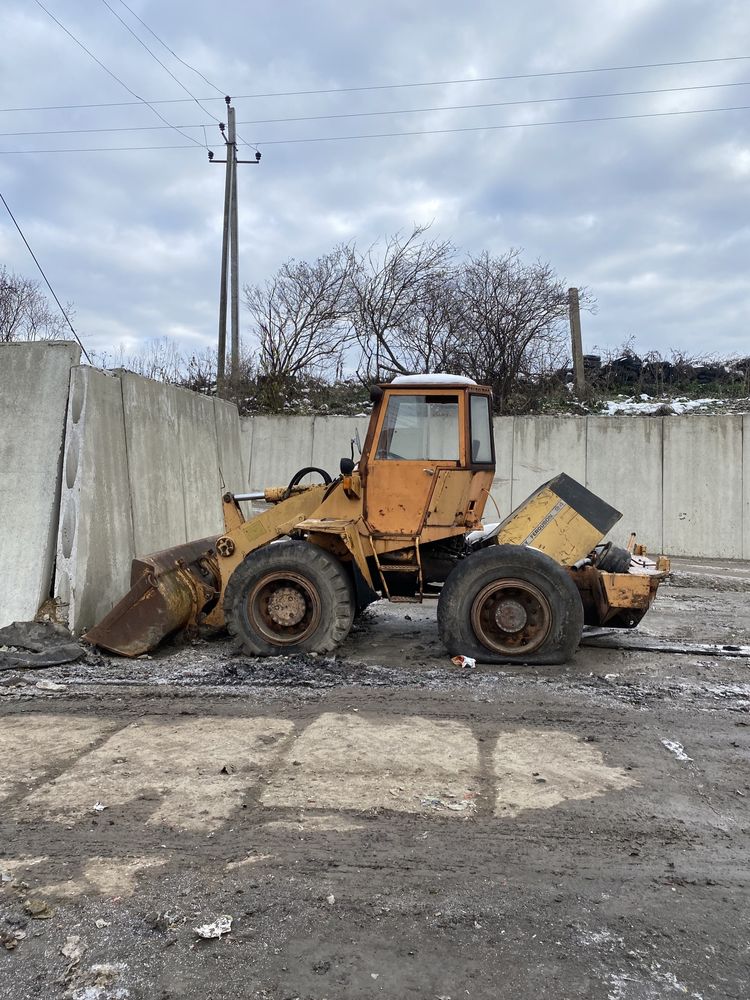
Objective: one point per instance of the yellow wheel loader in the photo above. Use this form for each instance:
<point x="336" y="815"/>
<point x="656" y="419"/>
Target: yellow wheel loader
<point x="402" y="523"/>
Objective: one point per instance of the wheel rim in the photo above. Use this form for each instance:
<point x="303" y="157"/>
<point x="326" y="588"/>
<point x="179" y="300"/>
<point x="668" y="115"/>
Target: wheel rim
<point x="511" y="616"/>
<point x="284" y="608"/>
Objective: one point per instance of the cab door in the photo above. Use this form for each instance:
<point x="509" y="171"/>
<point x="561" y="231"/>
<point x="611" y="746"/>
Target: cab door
<point x="416" y="445"/>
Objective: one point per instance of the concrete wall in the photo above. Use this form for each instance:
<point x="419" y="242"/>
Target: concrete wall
<point x="146" y="465"/>
<point x="682" y="483"/>
<point x="33" y="396"/>
<point x="98" y="467"/>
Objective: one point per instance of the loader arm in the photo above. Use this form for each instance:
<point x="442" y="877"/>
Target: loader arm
<point x="182" y="587"/>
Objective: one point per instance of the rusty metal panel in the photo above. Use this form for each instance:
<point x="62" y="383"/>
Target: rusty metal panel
<point x="449" y="499"/>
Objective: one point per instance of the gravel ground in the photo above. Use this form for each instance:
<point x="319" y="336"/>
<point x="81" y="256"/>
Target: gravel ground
<point x="382" y="823"/>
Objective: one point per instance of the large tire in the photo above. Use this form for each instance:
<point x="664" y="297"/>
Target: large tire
<point x="289" y="597"/>
<point x="510" y="604"/>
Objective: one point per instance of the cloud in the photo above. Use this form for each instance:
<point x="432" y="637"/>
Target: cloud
<point x="651" y="214"/>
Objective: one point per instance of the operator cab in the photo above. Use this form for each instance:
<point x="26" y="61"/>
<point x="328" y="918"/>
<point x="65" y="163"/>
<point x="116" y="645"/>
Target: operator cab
<point x="428" y="460"/>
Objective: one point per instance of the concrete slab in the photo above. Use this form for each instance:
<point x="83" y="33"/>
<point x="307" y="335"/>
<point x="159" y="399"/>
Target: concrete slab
<point x="337" y="763"/>
<point x="173" y="459"/>
<point x="544" y="447"/>
<point x="247" y="425"/>
<point x="624" y="467"/>
<point x="332" y="438"/>
<point x="502" y="484"/>
<point x="232" y="467"/>
<point x="168" y="770"/>
<point x="199" y="456"/>
<point x="154" y="464"/>
<point x="34" y="380"/>
<point x="281" y="446"/>
<point x="95" y="541"/>
<point x="35" y="745"/>
<point x="703" y="485"/>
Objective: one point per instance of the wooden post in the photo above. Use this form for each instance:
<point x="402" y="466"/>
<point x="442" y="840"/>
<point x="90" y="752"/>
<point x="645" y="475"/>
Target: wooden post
<point x="574" y="314"/>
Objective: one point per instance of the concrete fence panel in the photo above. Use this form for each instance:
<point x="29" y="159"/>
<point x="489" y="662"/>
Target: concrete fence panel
<point x="746" y="487"/>
<point x="281" y="446"/>
<point x="502" y="484"/>
<point x="624" y="467"/>
<point x="332" y="437"/>
<point x="703" y="485"/>
<point x="155" y="468"/>
<point x="543" y="447"/>
<point x="34" y="381"/>
<point x="95" y="541"/>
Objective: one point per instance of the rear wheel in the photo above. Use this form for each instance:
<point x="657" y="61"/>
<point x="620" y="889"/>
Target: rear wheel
<point x="289" y="597"/>
<point x="510" y="604"/>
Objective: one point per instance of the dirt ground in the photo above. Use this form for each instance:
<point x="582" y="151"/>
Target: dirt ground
<point x="384" y="824"/>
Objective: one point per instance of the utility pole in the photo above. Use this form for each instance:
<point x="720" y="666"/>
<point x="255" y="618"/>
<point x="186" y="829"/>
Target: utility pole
<point x="234" y="251"/>
<point x="229" y="253"/>
<point x="574" y="314"/>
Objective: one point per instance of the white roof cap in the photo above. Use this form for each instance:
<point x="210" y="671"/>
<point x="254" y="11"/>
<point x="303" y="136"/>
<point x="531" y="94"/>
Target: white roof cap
<point x="438" y="378"/>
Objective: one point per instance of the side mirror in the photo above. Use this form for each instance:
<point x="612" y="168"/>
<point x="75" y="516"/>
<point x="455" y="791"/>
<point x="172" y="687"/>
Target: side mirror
<point x="346" y="466"/>
<point x="356" y="443"/>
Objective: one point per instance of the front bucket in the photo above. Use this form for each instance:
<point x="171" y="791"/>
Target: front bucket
<point x="168" y="590"/>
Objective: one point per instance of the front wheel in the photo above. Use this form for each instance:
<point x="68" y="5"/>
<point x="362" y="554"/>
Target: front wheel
<point x="510" y="604"/>
<point x="289" y="597"/>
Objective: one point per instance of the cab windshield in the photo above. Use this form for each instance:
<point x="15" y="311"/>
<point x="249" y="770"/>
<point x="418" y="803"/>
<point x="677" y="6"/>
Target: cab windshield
<point x="420" y="428"/>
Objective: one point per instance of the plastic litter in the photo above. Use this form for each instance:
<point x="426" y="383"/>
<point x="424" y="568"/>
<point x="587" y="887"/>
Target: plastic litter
<point x="330" y="899"/>
<point x="677" y="749"/>
<point x="222" y="925"/>
<point x="99" y="807"/>
<point x="46" y="685"/>
<point x="467" y="662"/>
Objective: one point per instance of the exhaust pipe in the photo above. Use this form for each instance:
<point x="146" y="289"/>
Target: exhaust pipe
<point x="168" y="592"/>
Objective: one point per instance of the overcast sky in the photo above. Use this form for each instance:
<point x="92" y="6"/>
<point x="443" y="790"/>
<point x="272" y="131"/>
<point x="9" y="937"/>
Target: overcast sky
<point x="652" y="214"/>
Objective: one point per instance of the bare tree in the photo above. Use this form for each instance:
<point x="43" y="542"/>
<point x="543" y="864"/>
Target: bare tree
<point x="25" y="313"/>
<point x="511" y="322"/>
<point x="401" y="304"/>
<point x="299" y="320"/>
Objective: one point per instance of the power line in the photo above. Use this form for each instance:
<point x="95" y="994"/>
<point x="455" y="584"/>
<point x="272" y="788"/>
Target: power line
<point x="394" y="86"/>
<point x="396" y="111"/>
<point x="191" y="68"/>
<point x="109" y="71"/>
<point x="41" y="271"/>
<point x="162" y="42"/>
<point x="396" y="135"/>
<point x="158" y="60"/>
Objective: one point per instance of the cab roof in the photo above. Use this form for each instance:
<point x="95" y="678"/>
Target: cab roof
<point x="438" y="378"/>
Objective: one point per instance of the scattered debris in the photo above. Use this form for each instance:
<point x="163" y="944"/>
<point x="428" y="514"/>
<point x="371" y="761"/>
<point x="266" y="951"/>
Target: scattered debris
<point x="467" y="662"/>
<point x="38" y="909"/>
<point x="222" y="925"/>
<point x="100" y="923"/>
<point x="450" y="802"/>
<point x="45" y="685"/>
<point x="9" y="938"/>
<point x="677" y="749"/>
<point x="73" y="950"/>
<point x="330" y="899"/>
<point x="99" y="807"/>
<point x="165" y="921"/>
<point x="37" y="644"/>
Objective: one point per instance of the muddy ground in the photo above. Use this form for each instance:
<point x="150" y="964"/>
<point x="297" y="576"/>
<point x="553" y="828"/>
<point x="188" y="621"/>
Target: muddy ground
<point x="384" y="824"/>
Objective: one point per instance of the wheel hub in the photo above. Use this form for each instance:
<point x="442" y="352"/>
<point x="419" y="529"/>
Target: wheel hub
<point x="286" y="606"/>
<point x="510" y="616"/>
